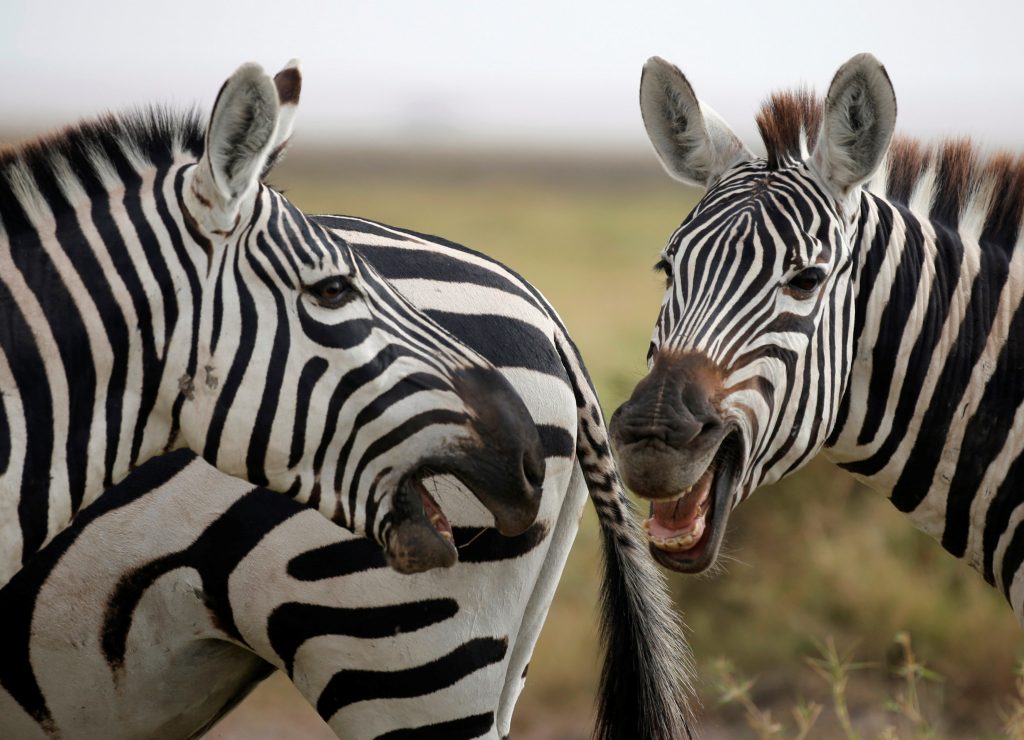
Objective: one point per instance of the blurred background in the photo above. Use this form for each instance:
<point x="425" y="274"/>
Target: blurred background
<point x="514" y="129"/>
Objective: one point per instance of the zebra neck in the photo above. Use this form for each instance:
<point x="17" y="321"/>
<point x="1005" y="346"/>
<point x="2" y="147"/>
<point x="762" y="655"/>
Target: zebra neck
<point x="96" y="332"/>
<point x="934" y="386"/>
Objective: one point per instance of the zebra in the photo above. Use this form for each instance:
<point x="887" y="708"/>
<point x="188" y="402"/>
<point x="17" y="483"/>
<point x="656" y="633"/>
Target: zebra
<point x="494" y="599"/>
<point x="852" y="292"/>
<point x="158" y="295"/>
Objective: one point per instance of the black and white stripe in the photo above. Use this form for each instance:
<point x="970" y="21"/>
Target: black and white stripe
<point x="295" y="592"/>
<point x="161" y="634"/>
<point x="157" y="295"/>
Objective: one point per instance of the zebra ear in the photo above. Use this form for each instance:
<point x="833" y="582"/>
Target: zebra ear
<point x="857" y="126"/>
<point x="693" y="143"/>
<point x="239" y="140"/>
<point x="289" y="85"/>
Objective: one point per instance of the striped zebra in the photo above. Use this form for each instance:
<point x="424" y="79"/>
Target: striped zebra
<point x="849" y="292"/>
<point x="190" y="619"/>
<point x="157" y="295"/>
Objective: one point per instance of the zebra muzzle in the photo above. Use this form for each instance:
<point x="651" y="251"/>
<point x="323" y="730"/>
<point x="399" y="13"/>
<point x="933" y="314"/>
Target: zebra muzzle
<point x="421" y="537"/>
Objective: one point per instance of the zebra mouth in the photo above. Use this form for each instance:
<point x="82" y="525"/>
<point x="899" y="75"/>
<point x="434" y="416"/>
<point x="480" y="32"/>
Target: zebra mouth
<point x="685" y="532"/>
<point x="421" y="536"/>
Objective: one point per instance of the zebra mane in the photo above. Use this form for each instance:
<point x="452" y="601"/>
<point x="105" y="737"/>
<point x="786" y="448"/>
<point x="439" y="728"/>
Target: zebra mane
<point x="789" y="123"/>
<point x="87" y="150"/>
<point x="951" y="181"/>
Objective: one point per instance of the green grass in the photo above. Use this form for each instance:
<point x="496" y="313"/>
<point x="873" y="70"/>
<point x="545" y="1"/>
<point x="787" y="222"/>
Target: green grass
<point x="813" y="558"/>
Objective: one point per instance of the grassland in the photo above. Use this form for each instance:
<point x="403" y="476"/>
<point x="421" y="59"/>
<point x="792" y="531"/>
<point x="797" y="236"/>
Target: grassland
<point x="813" y="558"/>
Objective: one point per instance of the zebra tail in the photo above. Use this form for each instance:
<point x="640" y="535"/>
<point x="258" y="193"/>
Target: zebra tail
<point x="646" y="690"/>
<point x="646" y="680"/>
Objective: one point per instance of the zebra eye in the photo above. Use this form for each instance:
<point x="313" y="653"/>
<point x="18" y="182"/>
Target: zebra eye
<point x="332" y="292"/>
<point x="807" y="281"/>
<point x="663" y="265"/>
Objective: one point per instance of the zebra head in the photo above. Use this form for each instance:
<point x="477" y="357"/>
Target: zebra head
<point x="752" y="348"/>
<point x="312" y="376"/>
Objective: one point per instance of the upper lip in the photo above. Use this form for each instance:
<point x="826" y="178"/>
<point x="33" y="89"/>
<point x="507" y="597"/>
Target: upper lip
<point x="718" y="509"/>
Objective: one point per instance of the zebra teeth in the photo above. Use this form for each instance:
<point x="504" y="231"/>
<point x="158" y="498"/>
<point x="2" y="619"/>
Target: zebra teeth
<point x="433" y="511"/>
<point x="679" y="542"/>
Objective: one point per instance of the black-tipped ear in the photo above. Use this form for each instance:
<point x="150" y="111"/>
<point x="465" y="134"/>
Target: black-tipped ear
<point x="858" y="124"/>
<point x="693" y="143"/>
<point x="289" y="87"/>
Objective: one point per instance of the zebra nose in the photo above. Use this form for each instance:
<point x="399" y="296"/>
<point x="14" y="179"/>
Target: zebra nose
<point x="672" y="406"/>
<point x="679" y="430"/>
<point x="504" y="464"/>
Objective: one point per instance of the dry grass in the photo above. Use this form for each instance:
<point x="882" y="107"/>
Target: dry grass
<point x="813" y="559"/>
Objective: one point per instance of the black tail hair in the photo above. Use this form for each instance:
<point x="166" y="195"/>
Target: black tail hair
<point x="646" y="681"/>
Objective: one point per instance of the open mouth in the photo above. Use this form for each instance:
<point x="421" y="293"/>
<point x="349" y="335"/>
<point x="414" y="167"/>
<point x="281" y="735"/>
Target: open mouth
<point x="421" y="536"/>
<point x="685" y="531"/>
<point x="431" y="509"/>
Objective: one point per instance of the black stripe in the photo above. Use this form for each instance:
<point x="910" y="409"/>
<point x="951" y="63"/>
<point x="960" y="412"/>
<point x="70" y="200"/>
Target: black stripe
<point x="522" y="344"/>
<point x="336" y="560"/>
<point x="248" y="331"/>
<point x="63" y="318"/>
<point x="985" y="435"/>
<point x="185" y="263"/>
<point x="152" y="364"/>
<point x="997" y="517"/>
<point x="916" y="477"/>
<point x="342" y="335"/>
<point x="1012" y="559"/>
<point x="5" y="437"/>
<point x="396" y="263"/>
<point x="349" y="687"/>
<point x="865" y="279"/>
<point x="313" y="370"/>
<point x="464" y="728"/>
<point x="556" y="441"/>
<point x="292" y="624"/>
<point x="218" y="303"/>
<point x="947" y="272"/>
<point x="29" y="375"/>
<point x="487" y="545"/>
<point x="893" y="323"/>
<point x="259" y="440"/>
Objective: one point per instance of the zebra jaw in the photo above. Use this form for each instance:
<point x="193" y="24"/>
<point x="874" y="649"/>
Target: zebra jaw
<point x="420" y="537"/>
<point x="685" y="531"/>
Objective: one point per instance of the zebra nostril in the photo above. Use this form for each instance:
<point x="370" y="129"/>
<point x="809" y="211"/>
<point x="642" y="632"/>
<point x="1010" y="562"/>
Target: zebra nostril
<point x="533" y="467"/>
<point x="710" y="426"/>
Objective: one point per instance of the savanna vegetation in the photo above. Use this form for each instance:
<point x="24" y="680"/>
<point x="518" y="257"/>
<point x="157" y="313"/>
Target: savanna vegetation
<point x="831" y="617"/>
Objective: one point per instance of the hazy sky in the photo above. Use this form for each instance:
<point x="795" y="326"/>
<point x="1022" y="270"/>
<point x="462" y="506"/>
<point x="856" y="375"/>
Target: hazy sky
<point x="556" y="73"/>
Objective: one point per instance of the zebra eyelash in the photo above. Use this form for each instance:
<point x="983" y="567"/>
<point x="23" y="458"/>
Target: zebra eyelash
<point x="665" y="267"/>
<point x="332" y="292"/>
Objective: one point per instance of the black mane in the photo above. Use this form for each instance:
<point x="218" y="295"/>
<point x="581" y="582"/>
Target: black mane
<point x="152" y="136"/>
